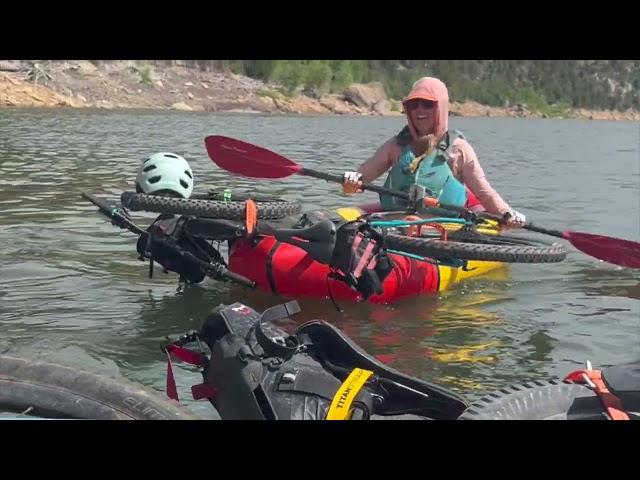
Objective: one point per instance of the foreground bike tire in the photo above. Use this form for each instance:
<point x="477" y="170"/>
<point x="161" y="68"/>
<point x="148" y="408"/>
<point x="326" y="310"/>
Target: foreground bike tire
<point x="539" y="400"/>
<point x="48" y="390"/>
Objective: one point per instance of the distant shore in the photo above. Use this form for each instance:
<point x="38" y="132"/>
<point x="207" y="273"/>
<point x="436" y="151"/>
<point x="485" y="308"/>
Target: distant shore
<point x="125" y="85"/>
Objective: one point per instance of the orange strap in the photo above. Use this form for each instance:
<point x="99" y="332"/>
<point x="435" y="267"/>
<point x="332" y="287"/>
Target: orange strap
<point x="412" y="230"/>
<point x="251" y="215"/>
<point x="609" y="400"/>
<point x="440" y="228"/>
<point x="416" y="230"/>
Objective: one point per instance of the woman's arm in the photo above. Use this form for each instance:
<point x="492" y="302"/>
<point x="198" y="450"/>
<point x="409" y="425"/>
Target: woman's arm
<point x="467" y="168"/>
<point x="380" y="162"/>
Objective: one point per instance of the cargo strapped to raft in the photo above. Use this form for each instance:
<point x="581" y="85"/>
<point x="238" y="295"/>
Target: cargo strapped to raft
<point x="255" y="370"/>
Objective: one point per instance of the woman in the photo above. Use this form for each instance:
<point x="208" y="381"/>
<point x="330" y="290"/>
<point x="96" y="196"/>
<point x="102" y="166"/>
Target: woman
<point x="451" y="172"/>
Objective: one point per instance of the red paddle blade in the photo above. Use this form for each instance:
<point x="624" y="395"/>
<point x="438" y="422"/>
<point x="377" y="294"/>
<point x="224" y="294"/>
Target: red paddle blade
<point x="241" y="158"/>
<point x="613" y="250"/>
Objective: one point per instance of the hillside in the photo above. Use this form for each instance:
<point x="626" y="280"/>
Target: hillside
<point x="584" y="89"/>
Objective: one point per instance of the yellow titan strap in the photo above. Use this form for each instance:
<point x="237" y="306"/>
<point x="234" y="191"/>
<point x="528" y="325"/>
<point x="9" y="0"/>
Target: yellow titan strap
<point x="340" y="408"/>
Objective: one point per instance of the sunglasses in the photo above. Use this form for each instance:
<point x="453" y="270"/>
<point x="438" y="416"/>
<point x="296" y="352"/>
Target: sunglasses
<point x="426" y="104"/>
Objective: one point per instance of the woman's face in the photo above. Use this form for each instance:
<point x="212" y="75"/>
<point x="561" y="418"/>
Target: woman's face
<point x="423" y="115"/>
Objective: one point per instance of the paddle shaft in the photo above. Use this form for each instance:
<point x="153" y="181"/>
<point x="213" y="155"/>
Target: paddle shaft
<point x="339" y="179"/>
<point x="527" y="226"/>
<point x="532" y="227"/>
<point x="553" y="233"/>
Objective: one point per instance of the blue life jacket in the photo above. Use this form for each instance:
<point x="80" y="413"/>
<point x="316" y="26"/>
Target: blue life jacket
<point x="432" y="172"/>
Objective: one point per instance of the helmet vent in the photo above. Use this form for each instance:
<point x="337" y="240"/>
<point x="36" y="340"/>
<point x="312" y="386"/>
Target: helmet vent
<point x="184" y="184"/>
<point x="155" y="179"/>
<point x="188" y="174"/>
<point x="170" y="155"/>
<point x="148" y="168"/>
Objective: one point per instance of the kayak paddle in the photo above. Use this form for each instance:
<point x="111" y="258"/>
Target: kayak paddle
<point x="242" y="158"/>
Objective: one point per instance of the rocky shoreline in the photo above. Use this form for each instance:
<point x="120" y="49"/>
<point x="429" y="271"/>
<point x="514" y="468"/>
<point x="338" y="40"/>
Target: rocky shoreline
<point x="134" y="85"/>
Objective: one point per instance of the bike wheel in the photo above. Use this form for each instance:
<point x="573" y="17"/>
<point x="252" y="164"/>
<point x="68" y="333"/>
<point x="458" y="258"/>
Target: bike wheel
<point x="47" y="390"/>
<point x="231" y="210"/>
<point x="538" y="400"/>
<point x="498" y="248"/>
